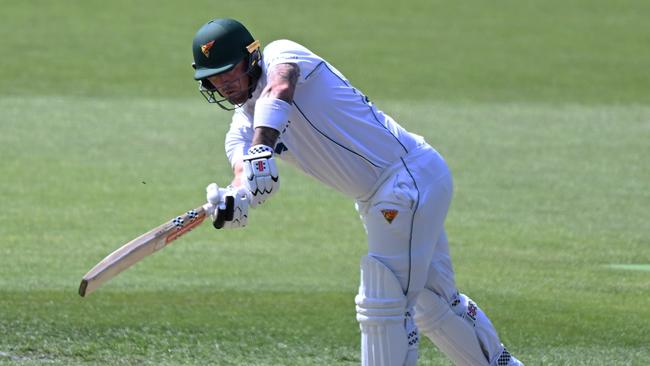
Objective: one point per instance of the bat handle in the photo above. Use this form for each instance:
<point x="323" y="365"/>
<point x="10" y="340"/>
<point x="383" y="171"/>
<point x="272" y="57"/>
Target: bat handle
<point x="208" y="208"/>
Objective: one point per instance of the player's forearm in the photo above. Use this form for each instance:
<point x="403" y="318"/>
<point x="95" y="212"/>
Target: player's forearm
<point x="238" y="172"/>
<point x="265" y="136"/>
<point x="271" y="116"/>
<point x="272" y="108"/>
<point x="282" y="80"/>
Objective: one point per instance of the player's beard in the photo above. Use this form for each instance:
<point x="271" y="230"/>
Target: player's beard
<point x="239" y="98"/>
<point x="238" y="91"/>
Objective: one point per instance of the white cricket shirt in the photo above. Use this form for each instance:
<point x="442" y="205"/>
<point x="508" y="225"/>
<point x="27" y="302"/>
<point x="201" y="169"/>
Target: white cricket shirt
<point x="335" y="133"/>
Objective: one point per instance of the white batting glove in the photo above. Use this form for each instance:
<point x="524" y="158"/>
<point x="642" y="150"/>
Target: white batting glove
<point x="230" y="206"/>
<point x="262" y="178"/>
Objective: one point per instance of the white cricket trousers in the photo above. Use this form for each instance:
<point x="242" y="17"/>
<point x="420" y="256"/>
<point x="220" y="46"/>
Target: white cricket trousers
<point x="404" y="218"/>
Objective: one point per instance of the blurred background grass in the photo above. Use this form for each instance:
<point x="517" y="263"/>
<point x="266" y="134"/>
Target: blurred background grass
<point x="557" y="51"/>
<point x="541" y="109"/>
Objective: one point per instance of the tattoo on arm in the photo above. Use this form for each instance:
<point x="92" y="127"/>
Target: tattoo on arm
<point x="281" y="84"/>
<point x="265" y="136"/>
<point x="282" y="80"/>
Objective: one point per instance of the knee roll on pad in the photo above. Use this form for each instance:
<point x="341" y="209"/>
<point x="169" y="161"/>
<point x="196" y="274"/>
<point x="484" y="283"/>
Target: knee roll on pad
<point x="450" y="333"/>
<point x="388" y="335"/>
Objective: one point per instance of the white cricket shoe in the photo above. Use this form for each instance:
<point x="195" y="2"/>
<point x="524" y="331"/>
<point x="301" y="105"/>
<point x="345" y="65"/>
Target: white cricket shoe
<point x="506" y="359"/>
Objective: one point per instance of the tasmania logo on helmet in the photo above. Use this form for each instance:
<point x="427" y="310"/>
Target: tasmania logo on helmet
<point x="206" y="48"/>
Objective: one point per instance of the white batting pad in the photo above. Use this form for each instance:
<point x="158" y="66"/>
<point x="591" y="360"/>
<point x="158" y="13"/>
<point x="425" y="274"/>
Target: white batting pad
<point x="381" y="312"/>
<point x="467" y="309"/>
<point x="450" y="333"/>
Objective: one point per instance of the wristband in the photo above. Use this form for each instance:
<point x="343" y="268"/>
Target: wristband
<point x="272" y="113"/>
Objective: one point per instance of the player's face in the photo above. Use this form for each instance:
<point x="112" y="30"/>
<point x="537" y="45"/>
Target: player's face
<point x="233" y="84"/>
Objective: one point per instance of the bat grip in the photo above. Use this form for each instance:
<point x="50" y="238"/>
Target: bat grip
<point x="208" y="208"/>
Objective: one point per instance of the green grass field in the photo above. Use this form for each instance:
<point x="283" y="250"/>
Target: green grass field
<point x="542" y="110"/>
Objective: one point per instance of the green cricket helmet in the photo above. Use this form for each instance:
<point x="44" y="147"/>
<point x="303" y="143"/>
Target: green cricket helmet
<point x="218" y="47"/>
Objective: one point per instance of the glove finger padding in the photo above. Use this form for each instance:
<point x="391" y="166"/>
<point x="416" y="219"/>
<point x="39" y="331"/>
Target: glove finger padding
<point x="262" y="179"/>
<point x="223" y="214"/>
<point x="238" y="217"/>
<point x="231" y="206"/>
<point x="214" y="194"/>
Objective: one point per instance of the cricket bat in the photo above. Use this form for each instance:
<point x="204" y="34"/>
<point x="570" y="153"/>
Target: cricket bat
<point x="142" y="246"/>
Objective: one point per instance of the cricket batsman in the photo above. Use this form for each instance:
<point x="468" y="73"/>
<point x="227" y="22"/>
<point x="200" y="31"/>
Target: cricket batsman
<point x="290" y="103"/>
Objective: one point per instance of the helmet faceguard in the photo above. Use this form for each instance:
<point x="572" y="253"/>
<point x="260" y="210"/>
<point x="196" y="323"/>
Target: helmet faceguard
<point x="253" y="70"/>
<point x="218" y="47"/>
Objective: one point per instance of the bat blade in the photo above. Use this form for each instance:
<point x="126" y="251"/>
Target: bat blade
<point x="141" y="247"/>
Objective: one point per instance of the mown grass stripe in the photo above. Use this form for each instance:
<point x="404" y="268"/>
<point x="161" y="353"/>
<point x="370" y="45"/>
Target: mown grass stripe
<point x="631" y="267"/>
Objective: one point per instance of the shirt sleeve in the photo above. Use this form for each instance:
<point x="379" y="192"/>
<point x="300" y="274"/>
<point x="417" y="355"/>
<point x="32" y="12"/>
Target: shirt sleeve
<point x="239" y="136"/>
<point x="284" y="51"/>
